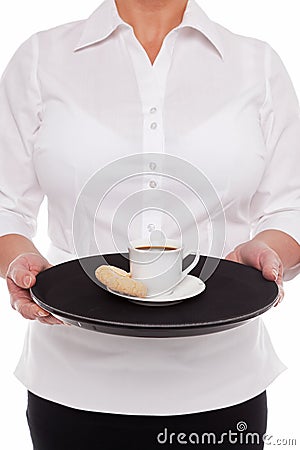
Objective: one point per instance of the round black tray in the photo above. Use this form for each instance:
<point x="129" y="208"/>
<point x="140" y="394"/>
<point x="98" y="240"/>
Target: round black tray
<point x="234" y="294"/>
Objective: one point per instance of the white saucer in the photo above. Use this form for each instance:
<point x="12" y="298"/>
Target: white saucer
<point x="189" y="287"/>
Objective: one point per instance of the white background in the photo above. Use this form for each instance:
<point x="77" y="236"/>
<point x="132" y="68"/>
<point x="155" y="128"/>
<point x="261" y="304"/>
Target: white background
<point x="274" y="21"/>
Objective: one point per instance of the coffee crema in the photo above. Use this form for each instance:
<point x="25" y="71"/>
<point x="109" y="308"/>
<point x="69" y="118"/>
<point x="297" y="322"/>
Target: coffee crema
<point x="155" y="248"/>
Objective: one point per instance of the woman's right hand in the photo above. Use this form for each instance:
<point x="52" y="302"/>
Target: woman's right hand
<point x="20" y="276"/>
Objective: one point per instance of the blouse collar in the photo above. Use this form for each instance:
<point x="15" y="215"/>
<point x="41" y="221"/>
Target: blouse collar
<point x="105" y="19"/>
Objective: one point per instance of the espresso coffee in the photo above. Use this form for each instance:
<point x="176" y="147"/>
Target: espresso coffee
<point x="155" y="248"/>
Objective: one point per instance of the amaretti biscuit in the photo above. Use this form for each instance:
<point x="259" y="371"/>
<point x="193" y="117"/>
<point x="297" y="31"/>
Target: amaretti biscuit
<point x="119" y="280"/>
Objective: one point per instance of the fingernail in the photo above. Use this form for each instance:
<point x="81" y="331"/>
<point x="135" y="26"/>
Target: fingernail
<point x="43" y="313"/>
<point x="27" y="281"/>
<point x="275" y="273"/>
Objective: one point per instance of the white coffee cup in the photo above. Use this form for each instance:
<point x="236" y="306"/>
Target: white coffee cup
<point x="159" y="267"/>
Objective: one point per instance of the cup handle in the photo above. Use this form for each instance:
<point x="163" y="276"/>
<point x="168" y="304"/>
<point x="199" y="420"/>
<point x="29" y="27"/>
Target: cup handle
<point x="187" y="270"/>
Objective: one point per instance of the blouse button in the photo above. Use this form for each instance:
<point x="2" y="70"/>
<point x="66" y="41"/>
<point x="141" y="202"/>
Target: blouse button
<point x="153" y="110"/>
<point x="152" y="166"/>
<point x="153" y="125"/>
<point x="151" y="227"/>
<point x="153" y="184"/>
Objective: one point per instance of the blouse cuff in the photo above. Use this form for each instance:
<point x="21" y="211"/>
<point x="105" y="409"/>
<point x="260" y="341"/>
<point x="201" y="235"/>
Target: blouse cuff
<point x="287" y="221"/>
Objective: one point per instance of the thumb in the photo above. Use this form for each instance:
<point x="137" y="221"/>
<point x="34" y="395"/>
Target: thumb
<point x="270" y="265"/>
<point x="232" y="256"/>
<point x="22" y="277"/>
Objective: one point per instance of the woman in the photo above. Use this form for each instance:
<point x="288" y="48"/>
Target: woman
<point x="151" y="76"/>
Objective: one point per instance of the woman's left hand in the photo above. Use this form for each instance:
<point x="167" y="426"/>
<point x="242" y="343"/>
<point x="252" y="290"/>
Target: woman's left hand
<point x="258" y="254"/>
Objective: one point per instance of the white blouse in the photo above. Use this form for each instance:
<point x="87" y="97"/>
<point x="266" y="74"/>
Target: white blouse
<point x="79" y="96"/>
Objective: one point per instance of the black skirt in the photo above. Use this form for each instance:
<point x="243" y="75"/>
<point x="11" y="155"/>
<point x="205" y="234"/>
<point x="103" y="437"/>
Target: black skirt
<point x="57" y="427"/>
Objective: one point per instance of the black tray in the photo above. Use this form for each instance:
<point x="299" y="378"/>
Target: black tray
<point x="234" y="294"/>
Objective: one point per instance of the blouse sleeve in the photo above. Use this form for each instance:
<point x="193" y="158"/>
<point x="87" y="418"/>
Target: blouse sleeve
<point x="276" y="203"/>
<point x="20" y="117"/>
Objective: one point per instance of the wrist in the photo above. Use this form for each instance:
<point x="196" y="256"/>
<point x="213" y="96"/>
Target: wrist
<point x="283" y="244"/>
<point x="11" y="247"/>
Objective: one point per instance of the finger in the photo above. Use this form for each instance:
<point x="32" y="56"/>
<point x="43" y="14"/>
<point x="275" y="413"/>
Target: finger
<point x="51" y="320"/>
<point x="279" y="298"/>
<point x="28" y="309"/>
<point x="280" y="289"/>
<point x="18" y="296"/>
<point x="270" y="264"/>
